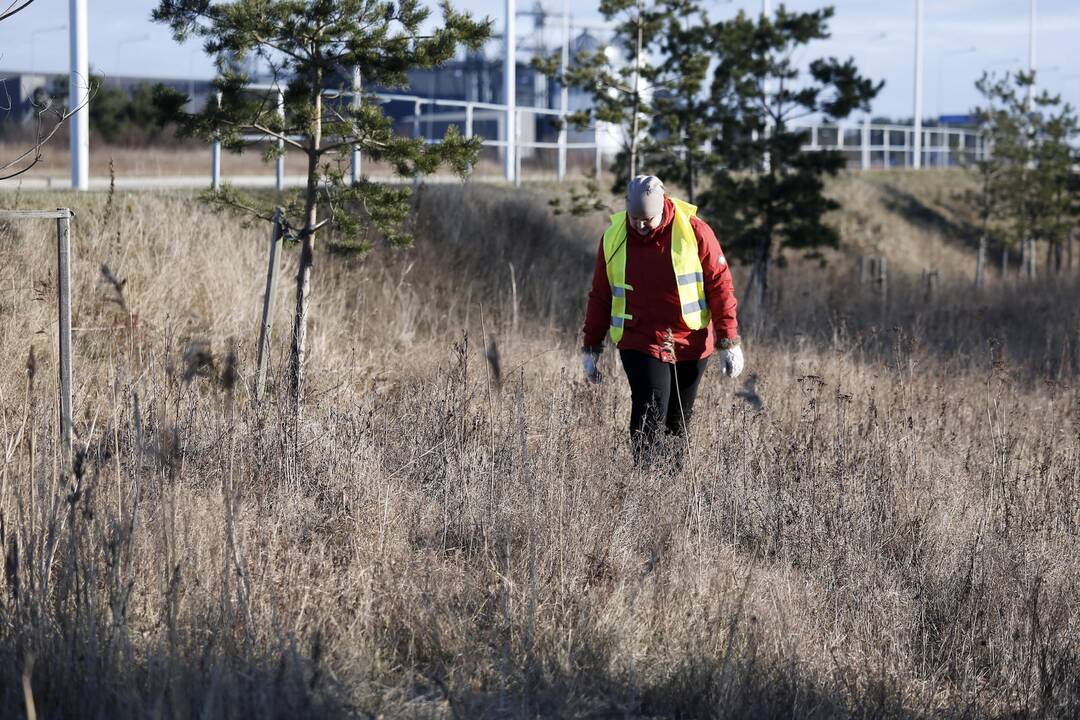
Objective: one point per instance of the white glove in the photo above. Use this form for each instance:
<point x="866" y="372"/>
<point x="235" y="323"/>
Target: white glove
<point x="588" y="361"/>
<point x="731" y="361"/>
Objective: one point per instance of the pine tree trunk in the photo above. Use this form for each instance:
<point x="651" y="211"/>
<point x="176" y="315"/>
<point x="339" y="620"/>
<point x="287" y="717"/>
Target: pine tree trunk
<point x="980" y="263"/>
<point x="307" y="250"/>
<point x="689" y="175"/>
<point x="1004" y="261"/>
<point x="1033" y="259"/>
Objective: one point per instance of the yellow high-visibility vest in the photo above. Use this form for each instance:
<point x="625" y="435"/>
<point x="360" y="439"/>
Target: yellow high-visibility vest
<point x="684" y="260"/>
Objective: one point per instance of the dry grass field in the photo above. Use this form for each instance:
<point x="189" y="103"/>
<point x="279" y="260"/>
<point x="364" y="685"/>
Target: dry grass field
<point x="894" y="534"/>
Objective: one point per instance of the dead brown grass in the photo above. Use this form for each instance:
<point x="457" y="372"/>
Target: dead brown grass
<point x="894" y="534"/>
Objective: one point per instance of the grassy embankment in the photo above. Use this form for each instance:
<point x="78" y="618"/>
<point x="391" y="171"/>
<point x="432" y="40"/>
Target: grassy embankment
<point x="895" y="533"/>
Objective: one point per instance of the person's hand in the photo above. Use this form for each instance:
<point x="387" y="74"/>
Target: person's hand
<point x="589" y="358"/>
<point x="732" y="362"/>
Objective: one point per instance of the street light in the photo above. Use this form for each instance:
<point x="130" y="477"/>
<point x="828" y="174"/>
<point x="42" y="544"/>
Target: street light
<point x="135" y="39"/>
<point x="918" y="109"/>
<point x="941" y="72"/>
<point x="33" y="42"/>
<point x="1031" y="51"/>
<point x="79" y="95"/>
<point x="1002" y="61"/>
<point x="510" y="89"/>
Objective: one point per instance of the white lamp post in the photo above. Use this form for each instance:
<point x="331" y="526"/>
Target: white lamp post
<point x="78" y="96"/>
<point x="1031" y="51"/>
<point x="510" y="91"/>
<point x="918" y="110"/>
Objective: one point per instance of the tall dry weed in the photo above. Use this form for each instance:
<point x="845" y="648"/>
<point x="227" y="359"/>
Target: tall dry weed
<point x="892" y="532"/>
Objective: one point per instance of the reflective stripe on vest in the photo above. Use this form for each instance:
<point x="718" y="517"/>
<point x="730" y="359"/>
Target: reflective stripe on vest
<point x="684" y="260"/>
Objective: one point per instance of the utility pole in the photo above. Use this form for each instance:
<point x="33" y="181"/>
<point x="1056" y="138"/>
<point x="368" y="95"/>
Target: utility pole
<point x="917" y="153"/>
<point x="1031" y="53"/>
<point x="357" y="99"/>
<point x="766" y="86"/>
<point x="564" y="91"/>
<point x="635" y="124"/>
<point x="510" y="91"/>
<point x="79" y="96"/>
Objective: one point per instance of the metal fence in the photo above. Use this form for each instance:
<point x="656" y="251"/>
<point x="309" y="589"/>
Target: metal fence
<point x="865" y="145"/>
<point x="875" y="145"/>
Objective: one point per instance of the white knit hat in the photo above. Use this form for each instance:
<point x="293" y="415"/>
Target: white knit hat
<point x="645" y="197"/>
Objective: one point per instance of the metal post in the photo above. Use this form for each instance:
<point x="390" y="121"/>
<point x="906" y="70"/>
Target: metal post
<point x="907" y="147"/>
<point x="357" y="99"/>
<point x="510" y="90"/>
<point x="279" y="165"/>
<point x="1031" y="52"/>
<point x="517" y="154"/>
<point x="469" y="129"/>
<point x="883" y="281"/>
<point x="917" y="159"/>
<point x="866" y="143"/>
<point x="215" y="156"/>
<point x="599" y="155"/>
<point x="564" y="91"/>
<point x="268" y="307"/>
<point x="766" y="87"/>
<point x="79" y="96"/>
<point x="63" y="295"/>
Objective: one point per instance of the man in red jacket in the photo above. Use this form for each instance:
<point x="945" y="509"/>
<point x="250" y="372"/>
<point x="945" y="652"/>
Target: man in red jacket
<point x="665" y="308"/>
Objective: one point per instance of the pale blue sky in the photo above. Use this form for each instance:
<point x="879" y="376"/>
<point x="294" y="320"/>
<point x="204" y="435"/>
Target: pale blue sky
<point x="878" y="33"/>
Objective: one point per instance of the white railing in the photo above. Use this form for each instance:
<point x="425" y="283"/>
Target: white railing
<point x="867" y="145"/>
<point x="879" y="145"/>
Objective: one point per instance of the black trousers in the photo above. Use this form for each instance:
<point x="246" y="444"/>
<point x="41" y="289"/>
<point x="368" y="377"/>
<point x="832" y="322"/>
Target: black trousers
<point x="653" y="395"/>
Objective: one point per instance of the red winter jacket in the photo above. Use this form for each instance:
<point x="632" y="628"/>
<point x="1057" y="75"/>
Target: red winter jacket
<point x="654" y="301"/>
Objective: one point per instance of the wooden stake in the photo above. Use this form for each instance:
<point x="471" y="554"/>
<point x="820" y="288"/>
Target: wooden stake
<point x="980" y="264"/>
<point x="268" y="307"/>
<point x="883" y="280"/>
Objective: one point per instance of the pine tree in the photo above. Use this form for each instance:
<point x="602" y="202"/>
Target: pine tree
<point x="680" y="128"/>
<point x="1000" y="132"/>
<point x="1054" y="161"/>
<point x="622" y="84"/>
<point x="769" y="196"/>
<point x="1030" y="139"/>
<point x="313" y="48"/>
